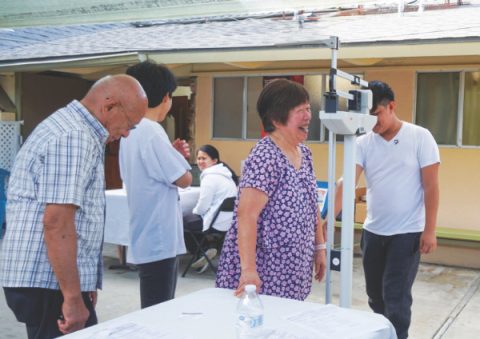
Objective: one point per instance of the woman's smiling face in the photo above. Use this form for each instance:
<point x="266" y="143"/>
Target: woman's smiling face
<point x="297" y="123"/>
<point x="204" y="160"/>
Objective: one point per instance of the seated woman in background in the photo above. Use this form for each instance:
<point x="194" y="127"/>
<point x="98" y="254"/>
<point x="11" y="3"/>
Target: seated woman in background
<point x="217" y="182"/>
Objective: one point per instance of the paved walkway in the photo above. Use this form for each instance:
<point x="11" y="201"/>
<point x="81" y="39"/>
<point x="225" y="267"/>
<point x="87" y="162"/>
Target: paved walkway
<point x="446" y="299"/>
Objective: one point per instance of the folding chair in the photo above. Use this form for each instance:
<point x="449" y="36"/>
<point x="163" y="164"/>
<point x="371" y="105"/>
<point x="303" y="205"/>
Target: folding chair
<point x="200" y="238"/>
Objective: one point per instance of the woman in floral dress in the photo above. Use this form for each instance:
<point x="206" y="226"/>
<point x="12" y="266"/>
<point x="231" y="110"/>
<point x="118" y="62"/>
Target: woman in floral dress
<point x="276" y="237"/>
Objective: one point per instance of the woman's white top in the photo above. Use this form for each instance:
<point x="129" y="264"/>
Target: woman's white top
<point x="216" y="184"/>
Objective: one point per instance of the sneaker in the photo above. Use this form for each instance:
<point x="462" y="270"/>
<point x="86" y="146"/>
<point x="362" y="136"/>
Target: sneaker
<point x="202" y="269"/>
<point x="211" y="253"/>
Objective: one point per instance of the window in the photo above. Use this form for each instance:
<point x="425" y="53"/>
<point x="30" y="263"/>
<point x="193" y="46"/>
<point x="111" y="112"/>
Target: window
<point x="315" y="88"/>
<point x="448" y="104"/>
<point x="235" y="105"/>
<point x="437" y="102"/>
<point x="471" y="109"/>
<point x="254" y="123"/>
<point x="228" y="107"/>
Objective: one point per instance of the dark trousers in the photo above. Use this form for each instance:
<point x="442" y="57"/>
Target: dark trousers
<point x="158" y="281"/>
<point x="40" y="308"/>
<point x="390" y="264"/>
<point x="193" y="223"/>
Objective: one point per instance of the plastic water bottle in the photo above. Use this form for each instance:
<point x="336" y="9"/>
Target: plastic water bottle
<point x="249" y="314"/>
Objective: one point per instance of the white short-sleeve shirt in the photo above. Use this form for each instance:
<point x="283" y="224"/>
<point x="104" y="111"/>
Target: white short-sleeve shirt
<point x="395" y="202"/>
<point x="149" y="166"/>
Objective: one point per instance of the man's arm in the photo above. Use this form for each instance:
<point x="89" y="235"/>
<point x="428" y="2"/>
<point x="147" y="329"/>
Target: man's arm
<point x="182" y="147"/>
<point x="61" y="243"/>
<point x="339" y="193"/>
<point x="428" y="241"/>
<point x="185" y="180"/>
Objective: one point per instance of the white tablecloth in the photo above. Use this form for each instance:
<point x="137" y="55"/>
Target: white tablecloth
<point x="117" y="216"/>
<point x="210" y="313"/>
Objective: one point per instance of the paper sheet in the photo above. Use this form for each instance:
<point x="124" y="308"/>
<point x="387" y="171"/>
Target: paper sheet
<point x="329" y="322"/>
<point x="131" y="330"/>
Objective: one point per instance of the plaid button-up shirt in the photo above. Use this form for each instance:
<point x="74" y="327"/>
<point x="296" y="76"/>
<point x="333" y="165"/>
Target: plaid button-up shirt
<point x="62" y="162"/>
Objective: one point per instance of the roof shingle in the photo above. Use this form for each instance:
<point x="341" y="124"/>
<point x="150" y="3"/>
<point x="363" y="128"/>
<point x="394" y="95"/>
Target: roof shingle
<point x="459" y="24"/>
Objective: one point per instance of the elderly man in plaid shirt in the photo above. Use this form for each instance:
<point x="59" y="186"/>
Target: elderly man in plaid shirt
<point x="51" y="260"/>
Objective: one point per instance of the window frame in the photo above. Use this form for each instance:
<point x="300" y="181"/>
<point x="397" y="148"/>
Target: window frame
<point x="324" y="83"/>
<point x="460" y="105"/>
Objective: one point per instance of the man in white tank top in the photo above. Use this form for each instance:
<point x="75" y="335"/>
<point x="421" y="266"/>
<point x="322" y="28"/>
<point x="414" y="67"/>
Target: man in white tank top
<point x="400" y="161"/>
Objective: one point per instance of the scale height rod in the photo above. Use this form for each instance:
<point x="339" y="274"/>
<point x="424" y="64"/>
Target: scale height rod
<point x="330" y="216"/>
<point x="349" y="170"/>
<point x="331" y="191"/>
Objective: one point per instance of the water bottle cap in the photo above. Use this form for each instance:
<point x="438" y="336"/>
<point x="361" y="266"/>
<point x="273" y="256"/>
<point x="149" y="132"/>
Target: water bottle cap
<point x="250" y="288"/>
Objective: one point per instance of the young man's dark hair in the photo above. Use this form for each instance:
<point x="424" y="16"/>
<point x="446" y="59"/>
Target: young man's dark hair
<point x="382" y="94"/>
<point x="156" y="79"/>
<point x="277" y="99"/>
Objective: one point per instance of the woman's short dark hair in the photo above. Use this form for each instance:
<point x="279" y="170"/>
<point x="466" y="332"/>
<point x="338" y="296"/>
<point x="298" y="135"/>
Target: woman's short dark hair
<point x="213" y="153"/>
<point x="277" y="99"/>
<point x="156" y="79"/>
<point x="382" y="94"/>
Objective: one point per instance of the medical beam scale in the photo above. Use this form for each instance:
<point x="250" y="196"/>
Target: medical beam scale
<point x="351" y="123"/>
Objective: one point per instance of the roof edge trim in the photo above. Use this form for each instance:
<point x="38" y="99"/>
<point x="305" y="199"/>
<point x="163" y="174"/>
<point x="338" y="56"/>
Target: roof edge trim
<point x="83" y="61"/>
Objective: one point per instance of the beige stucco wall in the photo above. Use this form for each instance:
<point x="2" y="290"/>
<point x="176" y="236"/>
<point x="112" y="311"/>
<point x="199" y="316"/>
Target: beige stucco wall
<point x="459" y="171"/>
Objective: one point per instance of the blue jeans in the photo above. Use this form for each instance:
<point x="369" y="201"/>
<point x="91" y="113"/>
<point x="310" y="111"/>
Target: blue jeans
<point x="158" y="281"/>
<point x="390" y="264"/>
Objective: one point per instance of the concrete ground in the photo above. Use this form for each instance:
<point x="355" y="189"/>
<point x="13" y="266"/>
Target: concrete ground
<point x="446" y="299"/>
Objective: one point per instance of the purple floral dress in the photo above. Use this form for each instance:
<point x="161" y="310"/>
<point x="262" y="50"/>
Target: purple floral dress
<point x="286" y="226"/>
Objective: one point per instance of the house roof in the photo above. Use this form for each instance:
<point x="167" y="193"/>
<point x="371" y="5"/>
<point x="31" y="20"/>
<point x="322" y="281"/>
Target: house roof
<point x="246" y="39"/>
<point x="53" y="12"/>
